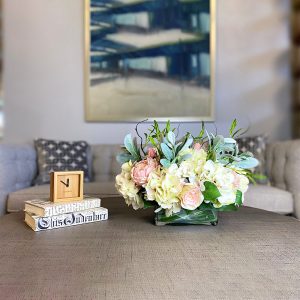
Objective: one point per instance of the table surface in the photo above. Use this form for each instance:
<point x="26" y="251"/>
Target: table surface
<point x="251" y="254"/>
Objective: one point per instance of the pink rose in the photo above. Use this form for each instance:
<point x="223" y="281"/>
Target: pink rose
<point x="152" y="152"/>
<point x="191" y="197"/>
<point x="142" y="169"/>
<point x="198" y="146"/>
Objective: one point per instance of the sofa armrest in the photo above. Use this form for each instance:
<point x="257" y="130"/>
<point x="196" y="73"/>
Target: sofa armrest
<point x="18" y="168"/>
<point x="283" y="168"/>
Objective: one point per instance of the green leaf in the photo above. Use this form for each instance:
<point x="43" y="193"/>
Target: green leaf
<point x="238" y="131"/>
<point x="232" y="127"/>
<point x="259" y="176"/>
<point x="239" y="198"/>
<point x="231" y="207"/>
<point x="165" y="163"/>
<point x="211" y="191"/>
<point x="156" y="127"/>
<point x="168" y="126"/>
<point x="152" y="141"/>
<point x="201" y="134"/>
<point x="131" y="147"/>
<point x="148" y="204"/>
<point x="167" y="151"/>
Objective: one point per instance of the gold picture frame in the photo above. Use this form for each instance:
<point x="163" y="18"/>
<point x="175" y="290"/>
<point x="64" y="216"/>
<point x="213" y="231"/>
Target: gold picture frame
<point x="115" y="97"/>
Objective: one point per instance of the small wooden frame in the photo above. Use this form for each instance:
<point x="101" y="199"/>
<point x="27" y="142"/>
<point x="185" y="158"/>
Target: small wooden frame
<point x="66" y="186"/>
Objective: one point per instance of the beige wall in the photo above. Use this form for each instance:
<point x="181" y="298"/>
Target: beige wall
<point x="44" y="70"/>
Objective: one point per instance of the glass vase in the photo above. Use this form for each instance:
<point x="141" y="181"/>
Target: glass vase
<point x="201" y="216"/>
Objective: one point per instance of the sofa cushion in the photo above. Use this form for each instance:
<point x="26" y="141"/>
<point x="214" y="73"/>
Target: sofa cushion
<point x="61" y="156"/>
<point x="104" y="161"/>
<point x="269" y="198"/>
<point x="16" y="199"/>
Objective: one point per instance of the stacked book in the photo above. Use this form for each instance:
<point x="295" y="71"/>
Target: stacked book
<point x="42" y="214"/>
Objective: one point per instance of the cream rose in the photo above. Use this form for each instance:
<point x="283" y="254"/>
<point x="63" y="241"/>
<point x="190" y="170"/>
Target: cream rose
<point x="191" y="197"/>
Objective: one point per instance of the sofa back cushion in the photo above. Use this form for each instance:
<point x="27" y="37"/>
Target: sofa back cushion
<point x="17" y="167"/>
<point x="283" y="165"/>
<point x="104" y="164"/>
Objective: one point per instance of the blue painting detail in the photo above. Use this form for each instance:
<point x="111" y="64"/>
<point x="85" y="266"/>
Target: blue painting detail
<point x="166" y="39"/>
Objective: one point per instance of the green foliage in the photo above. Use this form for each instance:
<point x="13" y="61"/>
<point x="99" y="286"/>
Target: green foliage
<point x="167" y="152"/>
<point x="239" y="198"/>
<point x="232" y="127"/>
<point x="124" y="157"/>
<point x="148" y="204"/>
<point x="211" y="192"/>
<point x="131" y="147"/>
<point x="165" y="163"/>
<point x="231" y="207"/>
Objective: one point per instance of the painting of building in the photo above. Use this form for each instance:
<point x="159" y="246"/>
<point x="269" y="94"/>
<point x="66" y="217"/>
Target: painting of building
<point x="149" y="59"/>
<point x="1" y="73"/>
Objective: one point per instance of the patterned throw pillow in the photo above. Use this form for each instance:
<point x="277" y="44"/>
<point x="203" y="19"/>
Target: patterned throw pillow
<point x="61" y="156"/>
<point x="256" y="145"/>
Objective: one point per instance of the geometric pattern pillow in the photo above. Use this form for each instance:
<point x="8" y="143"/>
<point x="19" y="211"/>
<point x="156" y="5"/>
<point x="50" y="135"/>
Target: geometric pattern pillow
<point x="61" y="156"/>
<point x="256" y="145"/>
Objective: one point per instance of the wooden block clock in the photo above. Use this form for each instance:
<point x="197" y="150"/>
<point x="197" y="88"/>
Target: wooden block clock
<point x="66" y="186"/>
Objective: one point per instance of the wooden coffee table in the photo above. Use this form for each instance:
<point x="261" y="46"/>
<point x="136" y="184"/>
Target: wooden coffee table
<point x="251" y="254"/>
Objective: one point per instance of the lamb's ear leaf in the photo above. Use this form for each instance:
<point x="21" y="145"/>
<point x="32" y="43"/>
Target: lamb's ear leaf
<point x="178" y="145"/>
<point x="248" y="163"/>
<point x="239" y="198"/>
<point x="165" y="163"/>
<point x="131" y="147"/>
<point x="122" y="158"/>
<point x="171" y="137"/>
<point x="187" y="144"/>
<point x="166" y="151"/>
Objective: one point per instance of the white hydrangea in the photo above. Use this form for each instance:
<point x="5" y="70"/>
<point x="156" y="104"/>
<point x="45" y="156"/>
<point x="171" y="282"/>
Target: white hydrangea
<point x="164" y="186"/>
<point x="227" y="181"/>
<point x="128" y="189"/>
<point x="192" y="168"/>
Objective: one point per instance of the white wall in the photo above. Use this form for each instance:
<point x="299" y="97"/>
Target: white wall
<point x="44" y="70"/>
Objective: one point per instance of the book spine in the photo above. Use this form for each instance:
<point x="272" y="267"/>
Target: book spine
<point x="65" y="208"/>
<point x="70" y="219"/>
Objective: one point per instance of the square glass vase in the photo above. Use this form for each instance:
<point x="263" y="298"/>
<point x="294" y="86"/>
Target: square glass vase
<point x="201" y="216"/>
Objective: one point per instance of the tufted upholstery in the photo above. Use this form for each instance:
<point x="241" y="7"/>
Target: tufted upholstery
<point x="105" y="167"/>
<point x="283" y="168"/>
<point x="17" y="170"/>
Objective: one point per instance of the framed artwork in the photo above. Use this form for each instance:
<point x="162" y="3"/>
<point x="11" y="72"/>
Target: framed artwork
<point x="1" y="70"/>
<point x="149" y="59"/>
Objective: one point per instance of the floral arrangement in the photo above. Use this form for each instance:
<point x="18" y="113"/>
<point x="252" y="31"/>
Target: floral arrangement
<point x="184" y="177"/>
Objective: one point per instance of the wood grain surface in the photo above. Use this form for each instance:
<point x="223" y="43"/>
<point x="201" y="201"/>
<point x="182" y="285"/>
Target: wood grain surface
<point x="251" y="254"/>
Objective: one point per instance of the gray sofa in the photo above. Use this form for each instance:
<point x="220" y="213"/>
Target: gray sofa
<point x="18" y="169"/>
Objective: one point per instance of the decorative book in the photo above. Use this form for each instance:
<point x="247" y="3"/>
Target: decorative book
<point x="65" y="220"/>
<point x="46" y="208"/>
